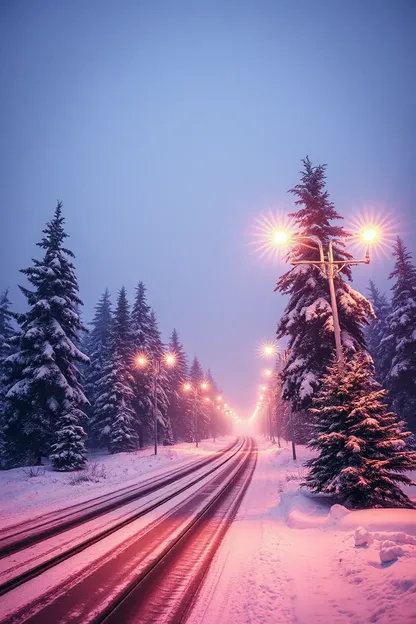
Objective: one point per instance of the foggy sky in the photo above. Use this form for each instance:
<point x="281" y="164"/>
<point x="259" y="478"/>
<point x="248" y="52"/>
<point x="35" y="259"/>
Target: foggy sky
<point x="167" y="127"/>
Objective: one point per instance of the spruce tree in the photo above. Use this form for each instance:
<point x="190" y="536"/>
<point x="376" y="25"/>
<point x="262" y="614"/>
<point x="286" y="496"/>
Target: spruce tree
<point x="7" y="330"/>
<point x="177" y="375"/>
<point x="141" y="330"/>
<point x="377" y="331"/>
<point x="307" y="320"/>
<point x="213" y="416"/>
<point x="45" y="398"/>
<point x="7" y="334"/>
<point x="100" y="354"/>
<point x="362" y="446"/>
<point x="115" y="400"/>
<point x="156" y="351"/>
<point x="196" y="406"/>
<point x="401" y="340"/>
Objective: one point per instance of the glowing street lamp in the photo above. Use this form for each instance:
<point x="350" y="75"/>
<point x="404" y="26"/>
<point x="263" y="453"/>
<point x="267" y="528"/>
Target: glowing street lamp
<point x="280" y="237"/>
<point x="142" y="361"/>
<point x="370" y="234"/>
<point x="330" y="267"/>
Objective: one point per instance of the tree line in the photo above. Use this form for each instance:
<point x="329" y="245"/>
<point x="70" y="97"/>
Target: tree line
<point x="64" y="388"/>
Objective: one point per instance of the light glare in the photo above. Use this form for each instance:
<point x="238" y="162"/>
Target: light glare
<point x="170" y="359"/>
<point x="370" y="234"/>
<point x="280" y="237"/>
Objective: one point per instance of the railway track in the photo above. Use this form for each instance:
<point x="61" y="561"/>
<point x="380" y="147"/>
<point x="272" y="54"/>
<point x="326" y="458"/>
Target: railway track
<point x="155" y="575"/>
<point x="14" y="573"/>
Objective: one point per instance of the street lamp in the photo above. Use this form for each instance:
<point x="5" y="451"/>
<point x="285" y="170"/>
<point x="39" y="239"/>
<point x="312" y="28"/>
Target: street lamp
<point x="329" y="268"/>
<point x="143" y="361"/>
<point x="195" y="391"/>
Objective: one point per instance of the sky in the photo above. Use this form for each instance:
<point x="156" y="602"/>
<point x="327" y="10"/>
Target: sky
<point x="167" y="128"/>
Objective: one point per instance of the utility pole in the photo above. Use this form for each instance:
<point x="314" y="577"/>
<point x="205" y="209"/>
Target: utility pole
<point x="329" y="269"/>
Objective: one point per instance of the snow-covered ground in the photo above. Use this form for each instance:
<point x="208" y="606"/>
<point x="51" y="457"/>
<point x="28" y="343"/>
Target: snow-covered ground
<point x="29" y="492"/>
<point x="290" y="558"/>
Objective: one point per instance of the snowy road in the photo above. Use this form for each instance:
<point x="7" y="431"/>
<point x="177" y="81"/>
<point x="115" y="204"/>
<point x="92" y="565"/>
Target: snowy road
<point x="88" y="582"/>
<point x="17" y="537"/>
<point x="287" y="559"/>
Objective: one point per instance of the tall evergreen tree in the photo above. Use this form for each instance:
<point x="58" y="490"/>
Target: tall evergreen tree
<point x="213" y="425"/>
<point x="141" y="330"/>
<point x="100" y="354"/>
<point x="45" y="397"/>
<point x="156" y="350"/>
<point x="7" y="333"/>
<point x="377" y="331"/>
<point x="115" y="386"/>
<point x="401" y="341"/>
<point x="177" y="402"/>
<point x="362" y="447"/>
<point x="7" y="330"/>
<point x="196" y="409"/>
<point x="307" y="320"/>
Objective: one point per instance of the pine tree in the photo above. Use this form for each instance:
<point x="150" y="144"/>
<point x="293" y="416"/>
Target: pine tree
<point x="141" y="330"/>
<point x="100" y="354"/>
<point x="362" y="446"/>
<point x="401" y="341"/>
<point x="45" y="397"/>
<point x="7" y="334"/>
<point x="116" y="385"/>
<point x="156" y="350"/>
<point x="280" y="407"/>
<point x="377" y="331"/>
<point x="177" y="375"/>
<point x="196" y="407"/>
<point x="307" y="320"/>
<point x="7" y="330"/>
<point x="213" y="415"/>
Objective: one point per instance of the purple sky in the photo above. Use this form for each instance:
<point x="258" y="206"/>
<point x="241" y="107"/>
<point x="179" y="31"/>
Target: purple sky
<point x="167" y="127"/>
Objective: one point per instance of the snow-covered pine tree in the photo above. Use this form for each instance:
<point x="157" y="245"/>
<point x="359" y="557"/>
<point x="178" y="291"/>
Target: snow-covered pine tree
<point x="177" y="411"/>
<point x="156" y="350"/>
<point x="213" y="417"/>
<point x="115" y="386"/>
<point x="7" y="330"/>
<point x="196" y="406"/>
<point x="401" y="340"/>
<point x="362" y="446"/>
<point x="307" y="320"/>
<point x="141" y="329"/>
<point x="45" y="397"/>
<point x="377" y="331"/>
<point x="99" y="352"/>
<point x="280" y="407"/>
<point x="7" y="333"/>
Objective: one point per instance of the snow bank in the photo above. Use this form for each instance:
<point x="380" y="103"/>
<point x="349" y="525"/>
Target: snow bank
<point x="389" y="551"/>
<point x="380" y="520"/>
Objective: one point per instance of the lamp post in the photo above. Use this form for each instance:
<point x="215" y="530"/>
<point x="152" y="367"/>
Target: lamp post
<point x="195" y="391"/>
<point x="329" y="268"/>
<point x="169" y="359"/>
